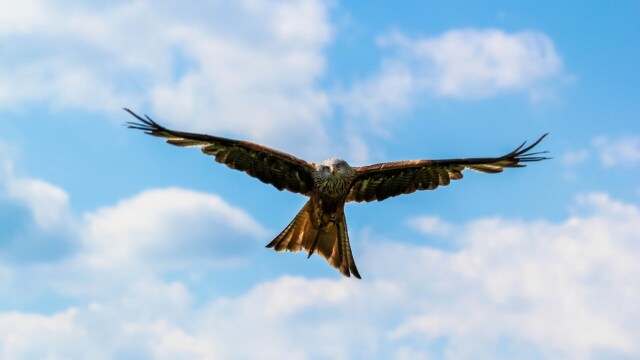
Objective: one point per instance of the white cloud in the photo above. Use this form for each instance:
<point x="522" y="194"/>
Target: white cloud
<point x="430" y="225"/>
<point x="461" y="63"/>
<point x="513" y="289"/>
<point x="23" y="331"/>
<point x="260" y="85"/>
<point x="575" y="157"/>
<point x="549" y="290"/>
<point x="168" y="226"/>
<point x="48" y="204"/>
<point x="564" y="289"/>
<point x="479" y="63"/>
<point x="249" y="68"/>
<point x="79" y="333"/>
<point x="623" y="151"/>
<point x="389" y="91"/>
<point x="47" y="251"/>
<point x="20" y="17"/>
<point x="35" y="217"/>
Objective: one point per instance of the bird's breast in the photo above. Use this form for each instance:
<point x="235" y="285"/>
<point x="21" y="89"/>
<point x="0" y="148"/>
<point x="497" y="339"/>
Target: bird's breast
<point x="333" y="187"/>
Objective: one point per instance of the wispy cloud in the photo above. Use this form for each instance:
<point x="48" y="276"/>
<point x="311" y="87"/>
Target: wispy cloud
<point x="575" y="157"/>
<point x="480" y="63"/>
<point x="35" y="216"/>
<point x="461" y="64"/>
<point x="621" y="151"/>
<point x="430" y="225"/>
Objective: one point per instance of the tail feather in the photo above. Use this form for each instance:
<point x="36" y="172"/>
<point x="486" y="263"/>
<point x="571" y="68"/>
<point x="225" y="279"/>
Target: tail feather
<point x="332" y="245"/>
<point x="304" y="228"/>
<point x="348" y="264"/>
<point x="314" y="243"/>
<point x="336" y="257"/>
<point x="291" y="238"/>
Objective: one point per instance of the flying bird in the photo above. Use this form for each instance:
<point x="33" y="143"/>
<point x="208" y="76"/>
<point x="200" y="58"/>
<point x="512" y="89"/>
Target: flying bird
<point x="320" y="226"/>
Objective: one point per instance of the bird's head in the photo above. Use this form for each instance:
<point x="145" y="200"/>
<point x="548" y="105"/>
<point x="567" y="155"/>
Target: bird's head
<point x="335" y="168"/>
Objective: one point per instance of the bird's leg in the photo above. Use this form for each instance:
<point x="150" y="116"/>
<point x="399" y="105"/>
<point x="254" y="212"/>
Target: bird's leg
<point x="328" y="220"/>
<point x="326" y="224"/>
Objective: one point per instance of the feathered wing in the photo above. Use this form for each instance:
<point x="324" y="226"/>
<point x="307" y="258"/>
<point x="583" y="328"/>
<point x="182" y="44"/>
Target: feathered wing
<point x="385" y="180"/>
<point x="282" y="170"/>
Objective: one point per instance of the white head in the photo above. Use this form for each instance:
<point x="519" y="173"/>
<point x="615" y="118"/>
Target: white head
<point x="334" y="167"/>
<point x="333" y="176"/>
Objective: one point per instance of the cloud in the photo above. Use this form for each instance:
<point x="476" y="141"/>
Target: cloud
<point x="249" y="68"/>
<point x="525" y="289"/>
<point x="460" y="64"/>
<point x="623" y="151"/>
<point x="479" y="63"/>
<point x="130" y="248"/>
<point x="563" y="290"/>
<point x="430" y="225"/>
<point x="263" y="83"/>
<point x="51" y="255"/>
<point x="169" y="226"/>
<point x="35" y="216"/>
<point x="510" y="288"/>
<point x="390" y="90"/>
<point x="78" y="333"/>
<point x="575" y="157"/>
<point x="48" y="204"/>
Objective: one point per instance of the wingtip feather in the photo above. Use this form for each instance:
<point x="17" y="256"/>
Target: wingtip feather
<point x="524" y="155"/>
<point x="145" y="124"/>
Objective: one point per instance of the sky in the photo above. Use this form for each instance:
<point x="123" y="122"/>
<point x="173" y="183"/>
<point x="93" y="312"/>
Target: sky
<point x="115" y="245"/>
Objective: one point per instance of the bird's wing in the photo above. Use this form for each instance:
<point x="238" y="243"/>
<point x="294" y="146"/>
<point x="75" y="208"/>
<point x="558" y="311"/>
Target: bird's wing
<point x="382" y="181"/>
<point x="282" y="170"/>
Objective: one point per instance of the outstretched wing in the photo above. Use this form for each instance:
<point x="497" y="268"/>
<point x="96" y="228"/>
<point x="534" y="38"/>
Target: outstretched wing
<point x="282" y="170"/>
<point x="382" y="181"/>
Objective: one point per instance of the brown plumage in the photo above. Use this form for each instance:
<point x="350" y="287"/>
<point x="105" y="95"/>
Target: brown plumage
<point x="320" y="226"/>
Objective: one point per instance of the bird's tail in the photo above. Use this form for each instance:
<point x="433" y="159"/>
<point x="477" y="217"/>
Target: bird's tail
<point x="330" y="240"/>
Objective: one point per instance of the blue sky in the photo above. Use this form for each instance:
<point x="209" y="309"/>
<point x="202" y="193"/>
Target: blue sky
<point x="116" y="245"/>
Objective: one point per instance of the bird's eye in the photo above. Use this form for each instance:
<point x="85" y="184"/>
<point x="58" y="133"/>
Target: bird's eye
<point x="325" y="168"/>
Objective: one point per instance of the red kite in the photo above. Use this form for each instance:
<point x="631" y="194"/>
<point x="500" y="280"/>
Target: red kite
<point x="321" y="226"/>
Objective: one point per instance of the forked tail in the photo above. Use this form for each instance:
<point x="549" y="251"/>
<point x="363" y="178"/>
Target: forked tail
<point x="331" y="242"/>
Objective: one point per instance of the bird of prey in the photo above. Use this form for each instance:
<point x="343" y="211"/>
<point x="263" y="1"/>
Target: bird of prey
<point x="320" y="226"/>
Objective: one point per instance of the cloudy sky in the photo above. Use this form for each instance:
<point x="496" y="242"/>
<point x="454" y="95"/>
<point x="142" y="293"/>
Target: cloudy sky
<point x="116" y="245"/>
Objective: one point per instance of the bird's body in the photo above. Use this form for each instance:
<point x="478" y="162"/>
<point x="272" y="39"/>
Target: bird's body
<point x="320" y="226"/>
